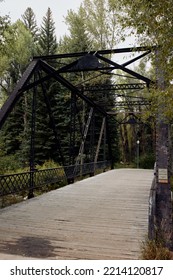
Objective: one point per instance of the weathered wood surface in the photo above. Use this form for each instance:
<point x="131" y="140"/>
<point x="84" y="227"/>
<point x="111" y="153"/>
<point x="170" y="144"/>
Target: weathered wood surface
<point x="103" y="217"/>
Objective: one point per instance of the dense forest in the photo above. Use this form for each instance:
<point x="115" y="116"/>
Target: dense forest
<point x="97" y="24"/>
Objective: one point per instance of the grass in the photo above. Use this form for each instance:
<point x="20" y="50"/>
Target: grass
<point x="155" y="250"/>
<point x="10" y="199"/>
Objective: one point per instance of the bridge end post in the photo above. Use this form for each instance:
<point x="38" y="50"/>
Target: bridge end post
<point x="163" y="186"/>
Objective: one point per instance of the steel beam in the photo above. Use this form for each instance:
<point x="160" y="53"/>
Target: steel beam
<point x="16" y="93"/>
<point x="32" y="143"/>
<point x="116" y="87"/>
<point x="124" y="69"/>
<point x="102" y="52"/>
<point x="136" y="58"/>
<point x="100" y="139"/>
<point x="50" y="70"/>
<point x="81" y="149"/>
<point x="72" y="128"/>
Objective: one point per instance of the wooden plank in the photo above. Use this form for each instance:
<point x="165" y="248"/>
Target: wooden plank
<point x="103" y="217"/>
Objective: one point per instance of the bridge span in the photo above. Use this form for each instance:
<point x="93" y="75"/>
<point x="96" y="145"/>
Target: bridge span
<point x="102" y="217"/>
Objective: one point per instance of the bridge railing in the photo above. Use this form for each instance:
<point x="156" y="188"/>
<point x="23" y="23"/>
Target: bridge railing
<point x="152" y="211"/>
<point x="28" y="181"/>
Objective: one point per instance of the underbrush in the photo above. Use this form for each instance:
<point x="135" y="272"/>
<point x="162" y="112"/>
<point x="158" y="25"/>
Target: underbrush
<point x="9" y="164"/>
<point x="155" y="250"/>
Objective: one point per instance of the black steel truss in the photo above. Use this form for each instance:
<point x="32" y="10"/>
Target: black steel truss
<point x="97" y="62"/>
<point x="132" y="103"/>
<point x="102" y="52"/>
<point x="94" y="61"/>
<point x="116" y="87"/>
<point x="17" y="92"/>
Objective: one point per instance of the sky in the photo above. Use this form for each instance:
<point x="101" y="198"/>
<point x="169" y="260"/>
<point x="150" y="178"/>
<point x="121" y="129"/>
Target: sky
<point x="59" y="8"/>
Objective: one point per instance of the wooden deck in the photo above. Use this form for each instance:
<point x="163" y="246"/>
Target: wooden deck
<point x="103" y="217"/>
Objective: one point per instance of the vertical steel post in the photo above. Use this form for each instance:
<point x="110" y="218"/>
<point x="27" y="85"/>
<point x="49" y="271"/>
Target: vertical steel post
<point x="109" y="142"/>
<point x="92" y="137"/>
<point x="81" y="149"/>
<point x="32" y="142"/>
<point x="100" y="139"/>
<point x="163" y="189"/>
<point x="104" y="144"/>
<point x="72" y="128"/>
<point x="137" y="143"/>
<point x="92" y="144"/>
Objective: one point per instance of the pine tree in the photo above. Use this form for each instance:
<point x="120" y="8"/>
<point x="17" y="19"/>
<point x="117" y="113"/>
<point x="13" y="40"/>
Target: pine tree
<point x="29" y="20"/>
<point x="45" y="142"/>
<point x="47" y="38"/>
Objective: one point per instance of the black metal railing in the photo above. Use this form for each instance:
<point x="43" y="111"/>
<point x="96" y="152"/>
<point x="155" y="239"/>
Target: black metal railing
<point x="152" y="211"/>
<point x="28" y="181"/>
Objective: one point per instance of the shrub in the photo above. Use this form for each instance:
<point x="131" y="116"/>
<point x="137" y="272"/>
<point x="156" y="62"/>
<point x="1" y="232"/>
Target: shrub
<point x="48" y="164"/>
<point x="9" y="163"/>
<point x="155" y="250"/>
<point x="147" y="161"/>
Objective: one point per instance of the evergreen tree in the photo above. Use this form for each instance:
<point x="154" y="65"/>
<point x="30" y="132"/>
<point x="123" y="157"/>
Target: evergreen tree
<point x="47" y="37"/>
<point x="45" y="142"/>
<point x="88" y="30"/>
<point x="29" y="20"/>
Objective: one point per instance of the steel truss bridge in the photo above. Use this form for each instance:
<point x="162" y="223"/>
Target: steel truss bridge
<point x="90" y="145"/>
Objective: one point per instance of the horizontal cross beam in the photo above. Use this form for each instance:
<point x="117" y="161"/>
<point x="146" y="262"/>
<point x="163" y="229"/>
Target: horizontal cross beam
<point x="116" y="87"/>
<point x="102" y="52"/>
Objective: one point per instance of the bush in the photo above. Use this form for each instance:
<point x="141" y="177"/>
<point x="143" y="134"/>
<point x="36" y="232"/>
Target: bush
<point x="9" y="163"/>
<point x="147" y="161"/>
<point x="48" y="164"/>
<point x="154" y="250"/>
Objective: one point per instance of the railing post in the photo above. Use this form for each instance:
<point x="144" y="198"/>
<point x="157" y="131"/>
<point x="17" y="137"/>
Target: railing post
<point x="109" y="143"/>
<point x="31" y="185"/>
<point x="152" y="211"/>
<point x="92" y="169"/>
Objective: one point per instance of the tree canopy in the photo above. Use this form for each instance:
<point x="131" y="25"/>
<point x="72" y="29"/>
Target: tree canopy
<point x="97" y="24"/>
<point x="152" y="24"/>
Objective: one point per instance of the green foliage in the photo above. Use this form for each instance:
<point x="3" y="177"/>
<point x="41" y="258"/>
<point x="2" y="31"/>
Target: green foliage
<point x="29" y="20"/>
<point x="4" y="29"/>
<point x="48" y="164"/>
<point x="101" y="23"/>
<point x="93" y="26"/>
<point x="83" y="30"/>
<point x="78" y="40"/>
<point x="47" y="44"/>
<point x="143" y="128"/>
<point x="17" y="51"/>
<point x="162" y="103"/>
<point x="21" y="40"/>
<point x="152" y="24"/>
<point x="147" y="161"/>
<point x="9" y="164"/>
